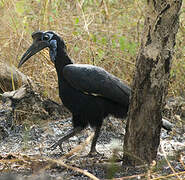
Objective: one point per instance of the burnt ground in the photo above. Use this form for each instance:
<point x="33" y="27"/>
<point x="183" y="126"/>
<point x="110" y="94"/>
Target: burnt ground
<point x="26" y="138"/>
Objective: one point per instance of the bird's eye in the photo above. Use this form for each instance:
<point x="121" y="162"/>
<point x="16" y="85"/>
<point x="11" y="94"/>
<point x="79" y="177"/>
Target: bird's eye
<point x="46" y="37"/>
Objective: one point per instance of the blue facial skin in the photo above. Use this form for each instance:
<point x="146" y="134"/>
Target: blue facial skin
<point x="53" y="50"/>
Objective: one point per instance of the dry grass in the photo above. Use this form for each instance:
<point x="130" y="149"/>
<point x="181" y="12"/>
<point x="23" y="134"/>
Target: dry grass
<point x="105" y="33"/>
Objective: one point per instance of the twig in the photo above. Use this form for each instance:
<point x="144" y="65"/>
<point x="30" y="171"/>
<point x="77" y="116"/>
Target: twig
<point x="78" y="148"/>
<point x="162" y="148"/>
<point x="130" y="177"/>
<point x="170" y="175"/>
<point x="60" y="161"/>
<point x="85" y="172"/>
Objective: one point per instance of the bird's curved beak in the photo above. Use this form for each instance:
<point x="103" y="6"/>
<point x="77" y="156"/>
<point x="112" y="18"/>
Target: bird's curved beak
<point x="38" y="45"/>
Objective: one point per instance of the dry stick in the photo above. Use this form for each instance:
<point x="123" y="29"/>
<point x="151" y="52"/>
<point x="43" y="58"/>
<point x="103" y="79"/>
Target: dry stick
<point x="130" y="177"/>
<point x="86" y="27"/>
<point x="16" y="56"/>
<point x="76" y="169"/>
<point x="158" y="178"/>
<point x="19" y="46"/>
<point x="77" y="148"/>
<point x="181" y="161"/>
<point x="162" y="148"/>
<point x="170" y="175"/>
<point x="2" y="87"/>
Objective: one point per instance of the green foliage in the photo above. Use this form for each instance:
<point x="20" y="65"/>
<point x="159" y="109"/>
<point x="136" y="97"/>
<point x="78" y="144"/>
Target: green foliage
<point x="2" y="3"/>
<point x="112" y="168"/>
<point x="20" y="7"/>
<point x="127" y="46"/>
<point x="122" y="42"/>
<point x="93" y="37"/>
<point x="77" y="20"/>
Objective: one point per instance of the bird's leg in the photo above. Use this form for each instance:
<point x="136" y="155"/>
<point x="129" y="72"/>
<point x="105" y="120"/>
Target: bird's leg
<point x="71" y="134"/>
<point x="93" y="145"/>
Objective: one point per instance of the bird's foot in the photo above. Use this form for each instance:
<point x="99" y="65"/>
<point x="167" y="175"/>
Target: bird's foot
<point x="94" y="153"/>
<point x="54" y="146"/>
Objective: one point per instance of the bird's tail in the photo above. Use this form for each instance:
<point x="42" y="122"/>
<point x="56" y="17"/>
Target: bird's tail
<point x="117" y="110"/>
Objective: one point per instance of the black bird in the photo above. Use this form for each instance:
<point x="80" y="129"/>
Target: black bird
<point x="89" y="92"/>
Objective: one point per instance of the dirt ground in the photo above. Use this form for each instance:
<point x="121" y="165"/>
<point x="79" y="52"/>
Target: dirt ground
<point x="25" y="150"/>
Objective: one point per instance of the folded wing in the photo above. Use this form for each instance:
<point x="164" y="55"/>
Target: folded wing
<point x="96" y="81"/>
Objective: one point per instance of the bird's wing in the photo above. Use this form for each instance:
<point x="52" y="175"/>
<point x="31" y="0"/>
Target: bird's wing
<point x="96" y="81"/>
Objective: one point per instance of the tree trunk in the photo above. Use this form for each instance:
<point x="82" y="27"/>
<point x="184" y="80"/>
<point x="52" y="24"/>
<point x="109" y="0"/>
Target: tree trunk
<point x="150" y="83"/>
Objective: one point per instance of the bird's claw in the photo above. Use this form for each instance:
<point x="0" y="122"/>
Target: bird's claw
<point x="95" y="153"/>
<point x="54" y="146"/>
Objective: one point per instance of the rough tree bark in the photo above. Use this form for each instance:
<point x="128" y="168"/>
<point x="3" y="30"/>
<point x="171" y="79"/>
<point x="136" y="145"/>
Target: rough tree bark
<point x="150" y="82"/>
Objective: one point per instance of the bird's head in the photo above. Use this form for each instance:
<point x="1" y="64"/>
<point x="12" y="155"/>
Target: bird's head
<point x="42" y="40"/>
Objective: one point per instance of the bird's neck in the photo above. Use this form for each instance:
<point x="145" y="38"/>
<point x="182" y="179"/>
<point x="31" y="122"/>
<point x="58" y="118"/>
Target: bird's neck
<point x="62" y="59"/>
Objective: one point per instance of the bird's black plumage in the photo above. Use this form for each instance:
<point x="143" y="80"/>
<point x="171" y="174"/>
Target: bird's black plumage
<point x="89" y="92"/>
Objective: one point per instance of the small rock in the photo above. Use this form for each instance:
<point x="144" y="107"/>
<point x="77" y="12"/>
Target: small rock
<point x="20" y="93"/>
<point x="11" y="77"/>
<point x="3" y="133"/>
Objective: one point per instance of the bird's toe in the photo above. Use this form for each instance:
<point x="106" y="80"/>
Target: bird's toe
<point x="54" y="146"/>
<point x="95" y="153"/>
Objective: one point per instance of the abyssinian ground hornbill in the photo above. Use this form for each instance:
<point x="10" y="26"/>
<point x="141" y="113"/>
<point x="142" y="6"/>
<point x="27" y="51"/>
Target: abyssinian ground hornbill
<point x="89" y="92"/>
